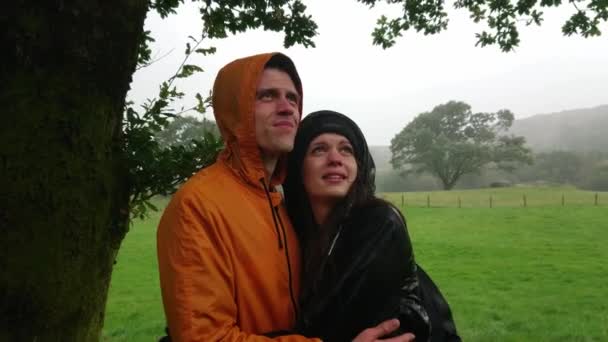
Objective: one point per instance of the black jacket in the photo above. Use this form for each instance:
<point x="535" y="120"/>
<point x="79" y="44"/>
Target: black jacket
<point x="443" y="328"/>
<point x="370" y="276"/>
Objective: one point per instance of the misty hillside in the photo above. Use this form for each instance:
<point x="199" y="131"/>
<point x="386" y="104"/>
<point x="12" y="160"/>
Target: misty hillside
<point x="382" y="157"/>
<point x="579" y="130"/>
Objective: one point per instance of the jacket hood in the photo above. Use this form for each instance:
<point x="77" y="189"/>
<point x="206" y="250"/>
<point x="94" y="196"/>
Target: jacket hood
<point x="234" y="95"/>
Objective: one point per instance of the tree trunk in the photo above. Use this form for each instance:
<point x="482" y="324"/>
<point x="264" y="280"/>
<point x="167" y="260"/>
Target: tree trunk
<point x="63" y="198"/>
<point x="448" y="182"/>
<point x="448" y="186"/>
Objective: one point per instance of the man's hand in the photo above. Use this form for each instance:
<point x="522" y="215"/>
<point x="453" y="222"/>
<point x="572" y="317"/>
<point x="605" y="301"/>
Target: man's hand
<point x="383" y="329"/>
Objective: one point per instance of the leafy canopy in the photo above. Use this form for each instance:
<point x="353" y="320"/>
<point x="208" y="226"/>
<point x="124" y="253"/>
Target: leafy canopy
<point x="451" y="141"/>
<point x="221" y="17"/>
<point x="502" y="18"/>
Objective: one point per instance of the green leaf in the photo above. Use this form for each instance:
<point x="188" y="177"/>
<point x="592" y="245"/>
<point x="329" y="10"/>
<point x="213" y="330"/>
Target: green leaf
<point x="188" y="70"/>
<point x="206" y="51"/>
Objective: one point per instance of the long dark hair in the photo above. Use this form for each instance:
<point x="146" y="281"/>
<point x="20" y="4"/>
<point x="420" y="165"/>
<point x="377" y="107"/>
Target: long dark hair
<point x="316" y="239"/>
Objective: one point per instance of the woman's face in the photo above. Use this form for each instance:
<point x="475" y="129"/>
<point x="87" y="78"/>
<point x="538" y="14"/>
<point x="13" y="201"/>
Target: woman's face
<point x="329" y="168"/>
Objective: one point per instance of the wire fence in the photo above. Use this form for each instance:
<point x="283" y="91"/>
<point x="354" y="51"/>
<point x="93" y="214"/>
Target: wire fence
<point x="493" y="199"/>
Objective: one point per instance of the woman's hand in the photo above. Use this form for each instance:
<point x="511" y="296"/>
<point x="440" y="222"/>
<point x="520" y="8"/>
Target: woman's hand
<point x="375" y="334"/>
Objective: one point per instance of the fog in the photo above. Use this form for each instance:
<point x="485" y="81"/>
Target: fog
<point x="382" y="90"/>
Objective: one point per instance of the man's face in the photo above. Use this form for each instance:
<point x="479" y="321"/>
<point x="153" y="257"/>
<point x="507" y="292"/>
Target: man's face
<point x="276" y="113"/>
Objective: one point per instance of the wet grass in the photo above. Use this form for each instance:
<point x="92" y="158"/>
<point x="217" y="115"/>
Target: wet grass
<point x="510" y="273"/>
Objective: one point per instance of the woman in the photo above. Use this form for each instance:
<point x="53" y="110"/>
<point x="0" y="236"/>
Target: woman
<point x="359" y="267"/>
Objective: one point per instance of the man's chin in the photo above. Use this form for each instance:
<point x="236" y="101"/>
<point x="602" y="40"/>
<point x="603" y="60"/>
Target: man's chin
<point x="278" y="150"/>
<point x="285" y="147"/>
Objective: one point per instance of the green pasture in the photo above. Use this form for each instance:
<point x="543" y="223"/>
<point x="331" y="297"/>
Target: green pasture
<point x="510" y="273"/>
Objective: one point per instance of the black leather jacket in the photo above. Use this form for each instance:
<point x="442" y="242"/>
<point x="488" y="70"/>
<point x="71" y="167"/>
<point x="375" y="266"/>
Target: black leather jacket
<point x="370" y="276"/>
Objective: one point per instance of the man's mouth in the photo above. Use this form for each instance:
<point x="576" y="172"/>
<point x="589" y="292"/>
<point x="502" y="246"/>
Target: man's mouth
<point x="284" y="124"/>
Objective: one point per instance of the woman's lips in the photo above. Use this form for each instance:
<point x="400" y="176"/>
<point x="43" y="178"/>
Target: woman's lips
<point x="334" y="177"/>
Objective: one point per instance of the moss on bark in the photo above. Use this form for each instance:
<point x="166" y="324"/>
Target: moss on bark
<point x="63" y="203"/>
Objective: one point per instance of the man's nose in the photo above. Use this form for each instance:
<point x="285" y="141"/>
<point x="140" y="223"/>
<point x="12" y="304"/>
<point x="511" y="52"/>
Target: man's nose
<point x="285" y="106"/>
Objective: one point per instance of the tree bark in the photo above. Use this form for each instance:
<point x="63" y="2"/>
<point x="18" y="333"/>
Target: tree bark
<point x="448" y="186"/>
<point x="63" y="197"/>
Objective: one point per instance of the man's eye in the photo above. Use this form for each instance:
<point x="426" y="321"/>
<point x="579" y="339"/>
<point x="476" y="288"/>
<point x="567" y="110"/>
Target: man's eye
<point x="265" y="96"/>
<point x="293" y="99"/>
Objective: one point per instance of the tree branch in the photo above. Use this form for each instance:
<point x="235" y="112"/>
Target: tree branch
<point x="153" y="61"/>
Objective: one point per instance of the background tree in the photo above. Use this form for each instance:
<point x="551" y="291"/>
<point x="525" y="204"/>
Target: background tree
<point x="73" y="166"/>
<point x="451" y="141"/>
<point x="594" y="172"/>
<point x="183" y="129"/>
<point x="562" y="167"/>
<point x="164" y="148"/>
<point x="599" y="177"/>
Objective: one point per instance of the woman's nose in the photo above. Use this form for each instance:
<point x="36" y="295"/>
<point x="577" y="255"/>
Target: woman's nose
<point x="334" y="156"/>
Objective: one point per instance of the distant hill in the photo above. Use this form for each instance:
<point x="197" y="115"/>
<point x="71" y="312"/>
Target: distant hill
<point x="579" y="130"/>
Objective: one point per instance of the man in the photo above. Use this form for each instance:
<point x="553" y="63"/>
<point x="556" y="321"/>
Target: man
<point x="228" y="256"/>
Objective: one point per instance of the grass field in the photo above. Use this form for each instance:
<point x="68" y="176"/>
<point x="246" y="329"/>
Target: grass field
<point x="510" y="273"/>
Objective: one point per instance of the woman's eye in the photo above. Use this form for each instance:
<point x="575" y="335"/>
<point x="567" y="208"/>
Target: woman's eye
<point x="317" y="150"/>
<point x="347" y="150"/>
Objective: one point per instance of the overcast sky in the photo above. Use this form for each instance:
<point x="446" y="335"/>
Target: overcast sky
<point x="382" y="90"/>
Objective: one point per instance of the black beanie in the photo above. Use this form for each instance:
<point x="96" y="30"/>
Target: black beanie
<point x="327" y="121"/>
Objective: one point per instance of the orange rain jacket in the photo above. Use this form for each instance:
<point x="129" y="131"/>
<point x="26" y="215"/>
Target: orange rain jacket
<point x="228" y="257"/>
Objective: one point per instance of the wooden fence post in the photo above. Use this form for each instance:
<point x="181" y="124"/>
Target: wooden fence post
<point x="563" y="200"/>
<point x="490" y="201"/>
<point x="596" y="198"/>
<point x="402" y="200"/>
<point x="459" y="202"/>
<point x="428" y="201"/>
<point x="525" y="201"/>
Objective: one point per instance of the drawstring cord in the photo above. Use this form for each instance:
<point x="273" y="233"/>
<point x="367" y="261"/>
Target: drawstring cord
<point x="275" y="214"/>
<point x="274" y="218"/>
<point x="293" y="299"/>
